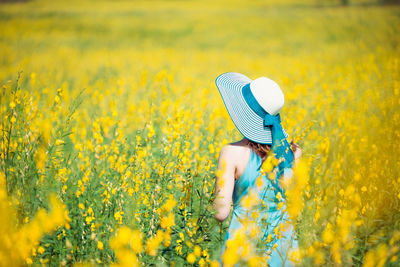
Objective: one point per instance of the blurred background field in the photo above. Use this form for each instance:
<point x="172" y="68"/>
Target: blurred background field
<point x="115" y="123"/>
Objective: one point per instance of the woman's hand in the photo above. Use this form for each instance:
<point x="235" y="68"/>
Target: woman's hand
<point x="296" y="151"/>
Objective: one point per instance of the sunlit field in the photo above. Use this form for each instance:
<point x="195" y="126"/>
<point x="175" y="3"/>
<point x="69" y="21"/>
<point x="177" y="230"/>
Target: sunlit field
<point x="111" y="127"/>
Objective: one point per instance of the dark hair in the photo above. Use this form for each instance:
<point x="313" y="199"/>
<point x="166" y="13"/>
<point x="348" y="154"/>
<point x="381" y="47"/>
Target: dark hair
<point x="260" y="149"/>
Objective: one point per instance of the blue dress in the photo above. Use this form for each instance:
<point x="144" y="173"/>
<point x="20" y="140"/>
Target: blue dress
<point x="267" y="191"/>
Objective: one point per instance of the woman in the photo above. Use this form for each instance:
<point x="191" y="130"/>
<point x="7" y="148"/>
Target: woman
<point x="254" y="108"/>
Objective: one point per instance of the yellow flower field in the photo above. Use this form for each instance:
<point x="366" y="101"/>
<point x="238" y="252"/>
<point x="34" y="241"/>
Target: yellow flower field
<point x="111" y="127"/>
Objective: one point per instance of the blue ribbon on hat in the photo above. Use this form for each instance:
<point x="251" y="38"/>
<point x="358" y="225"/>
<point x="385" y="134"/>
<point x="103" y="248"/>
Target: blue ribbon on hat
<point x="280" y="146"/>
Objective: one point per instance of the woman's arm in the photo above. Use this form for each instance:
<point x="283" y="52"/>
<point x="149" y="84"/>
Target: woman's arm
<point x="224" y="184"/>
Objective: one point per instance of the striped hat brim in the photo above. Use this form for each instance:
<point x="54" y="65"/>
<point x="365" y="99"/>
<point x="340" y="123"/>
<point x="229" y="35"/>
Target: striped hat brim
<point x="249" y="124"/>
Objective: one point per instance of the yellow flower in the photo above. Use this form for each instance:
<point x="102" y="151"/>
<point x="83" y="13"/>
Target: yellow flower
<point x="136" y="241"/>
<point x="259" y="182"/>
<point x="211" y="148"/>
<point x="12" y="104"/>
<point x="57" y="99"/>
<point x="230" y="257"/>
<point x="168" y="221"/>
<point x="40" y="250"/>
<point x="153" y="243"/>
<point x="40" y="158"/>
<point x="341" y="192"/>
<point x="119" y="243"/>
<point x="59" y="142"/>
<point x="294" y="255"/>
<point x="251" y="199"/>
<point x="363" y="189"/>
<point x="328" y="234"/>
<point x="350" y="189"/>
<point x="118" y="217"/>
<point x="191" y="258"/>
<point x="279" y="196"/>
<point x="29" y="261"/>
<point x="197" y="251"/>
<point x="169" y="204"/>
<point x="202" y="262"/>
<point x="100" y="245"/>
<point x="268" y="165"/>
<point x="151" y="131"/>
<point x="181" y="236"/>
<point x="369" y="259"/>
<point x="255" y="261"/>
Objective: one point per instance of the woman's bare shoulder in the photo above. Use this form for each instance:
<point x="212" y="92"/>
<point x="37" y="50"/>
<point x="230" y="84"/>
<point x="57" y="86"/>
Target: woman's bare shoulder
<point x="236" y="150"/>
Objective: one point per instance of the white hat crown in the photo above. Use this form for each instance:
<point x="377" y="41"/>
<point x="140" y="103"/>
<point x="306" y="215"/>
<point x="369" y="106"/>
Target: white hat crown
<point x="268" y="94"/>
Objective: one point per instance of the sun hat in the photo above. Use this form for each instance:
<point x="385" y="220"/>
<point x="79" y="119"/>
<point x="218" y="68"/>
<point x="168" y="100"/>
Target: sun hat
<point x="254" y="106"/>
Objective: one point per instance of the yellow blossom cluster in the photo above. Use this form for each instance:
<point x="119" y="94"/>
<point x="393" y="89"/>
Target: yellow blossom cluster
<point x="19" y="244"/>
<point x="126" y="244"/>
